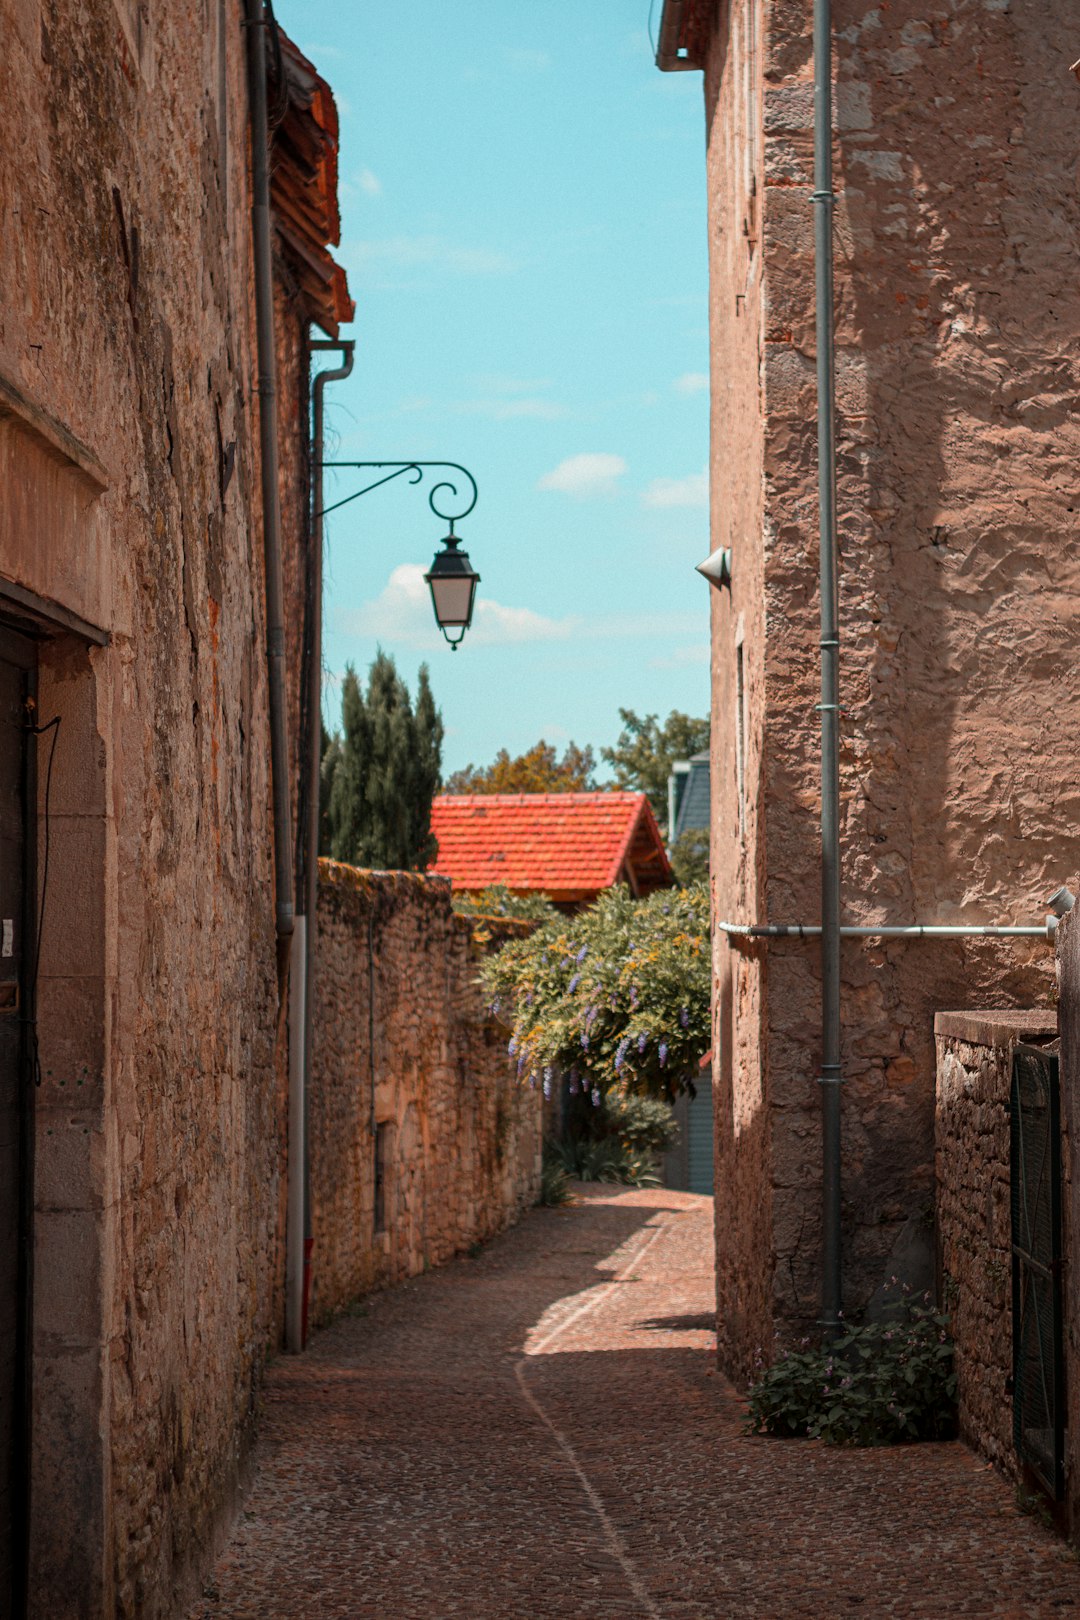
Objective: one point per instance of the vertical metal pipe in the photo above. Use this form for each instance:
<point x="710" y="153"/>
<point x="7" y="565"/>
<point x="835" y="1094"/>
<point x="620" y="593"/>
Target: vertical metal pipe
<point x="268" y="445"/>
<point x="297" y="1174"/>
<point x="831" y="1074"/>
<point x="300" y="1240"/>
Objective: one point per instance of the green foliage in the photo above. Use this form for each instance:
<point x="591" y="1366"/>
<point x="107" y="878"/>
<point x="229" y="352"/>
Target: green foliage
<point x="497" y="901"/>
<point x="617" y="998"/>
<point x="642" y="1124"/>
<point x="882" y="1383"/>
<point x="554" y="1181"/>
<point x="538" y="770"/>
<point x="605" y="1158"/>
<point x="646" y="750"/>
<point x="690" y="856"/>
<point x="381" y="774"/>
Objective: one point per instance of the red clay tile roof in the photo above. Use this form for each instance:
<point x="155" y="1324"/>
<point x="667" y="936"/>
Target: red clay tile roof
<point x="303" y="188"/>
<point x="568" y="846"/>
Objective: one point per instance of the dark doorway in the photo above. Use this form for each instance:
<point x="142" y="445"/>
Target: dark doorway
<point x="17" y="717"/>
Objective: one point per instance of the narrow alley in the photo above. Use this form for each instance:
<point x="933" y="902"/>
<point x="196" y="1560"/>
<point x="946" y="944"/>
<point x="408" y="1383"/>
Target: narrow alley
<point x="540" y="1431"/>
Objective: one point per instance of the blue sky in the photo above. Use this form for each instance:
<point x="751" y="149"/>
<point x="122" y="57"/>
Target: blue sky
<point x="523" y="225"/>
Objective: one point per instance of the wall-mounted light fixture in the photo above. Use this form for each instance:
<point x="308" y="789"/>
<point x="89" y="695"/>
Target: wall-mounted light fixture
<point x="451" y="578"/>
<point x="717" y="568"/>
<point x="1061" y="901"/>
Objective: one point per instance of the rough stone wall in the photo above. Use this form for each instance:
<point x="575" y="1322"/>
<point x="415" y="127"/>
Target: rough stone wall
<point x="126" y="342"/>
<point x="404" y="1042"/>
<point x="744" y="1211"/>
<point x="956" y="247"/>
<point x="971" y="1158"/>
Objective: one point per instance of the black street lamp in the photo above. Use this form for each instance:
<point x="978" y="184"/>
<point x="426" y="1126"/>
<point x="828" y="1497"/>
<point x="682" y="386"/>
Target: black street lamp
<point x="452" y="581"/>
<point x="451" y="578"/>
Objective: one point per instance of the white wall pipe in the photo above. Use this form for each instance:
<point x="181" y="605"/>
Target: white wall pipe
<point x="891" y="931"/>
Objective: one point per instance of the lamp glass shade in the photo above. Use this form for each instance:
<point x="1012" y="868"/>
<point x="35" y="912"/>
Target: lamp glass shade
<point x="452" y="581"/>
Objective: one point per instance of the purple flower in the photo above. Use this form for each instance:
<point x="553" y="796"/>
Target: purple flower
<point x="621" y="1051"/>
<point x="495" y="1006"/>
<point x="521" y="1065"/>
<point x="582" y="954"/>
<point x="511" y="1045"/>
<point x="684" y="1018"/>
<point x="642" y="1041"/>
<point x="585" y="1039"/>
<point x="663" y="1053"/>
<point x="574" y="982"/>
<point x="547" y="1083"/>
<point x="595" y="1097"/>
<point x="529" y="999"/>
<point x="590" y="1016"/>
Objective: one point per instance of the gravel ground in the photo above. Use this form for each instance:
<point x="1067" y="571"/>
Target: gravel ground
<point x="540" y="1432"/>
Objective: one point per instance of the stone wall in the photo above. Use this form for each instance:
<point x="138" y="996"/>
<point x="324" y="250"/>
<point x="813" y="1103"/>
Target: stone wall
<point x="131" y="514"/>
<point x="971" y="1159"/>
<point x="957" y="233"/>
<point x="407" y="1055"/>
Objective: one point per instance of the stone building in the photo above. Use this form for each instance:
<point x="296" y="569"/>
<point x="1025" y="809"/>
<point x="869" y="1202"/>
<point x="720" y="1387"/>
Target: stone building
<point x="141" y="1016"/>
<point x="957" y="308"/>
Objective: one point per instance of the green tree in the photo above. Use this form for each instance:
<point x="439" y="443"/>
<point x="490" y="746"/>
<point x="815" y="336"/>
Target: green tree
<point x="646" y="750"/>
<point x="690" y="856"/>
<point x="381" y="773"/>
<point x="538" y="770"/>
<point x="616" y="997"/>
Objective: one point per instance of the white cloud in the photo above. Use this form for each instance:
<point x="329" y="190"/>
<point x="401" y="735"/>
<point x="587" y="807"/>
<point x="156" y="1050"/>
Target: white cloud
<point x="693" y="490"/>
<point x="526" y="61"/>
<point x="369" y="183"/>
<point x="427" y="252"/>
<point x="508" y="410"/>
<point x="402" y="613"/>
<point x="682" y="657"/>
<point x="585" y="475"/>
<point x="691" y="382"/>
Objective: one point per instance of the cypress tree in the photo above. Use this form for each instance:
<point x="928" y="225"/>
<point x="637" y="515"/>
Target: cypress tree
<point x="381" y="774"/>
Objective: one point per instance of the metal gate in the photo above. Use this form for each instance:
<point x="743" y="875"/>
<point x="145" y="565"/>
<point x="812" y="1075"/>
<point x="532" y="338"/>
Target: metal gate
<point x="1038" y="1349"/>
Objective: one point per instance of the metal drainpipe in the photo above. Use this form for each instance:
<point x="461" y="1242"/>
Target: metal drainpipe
<point x="309" y="898"/>
<point x="268" y="446"/>
<point x="831" y="1075"/>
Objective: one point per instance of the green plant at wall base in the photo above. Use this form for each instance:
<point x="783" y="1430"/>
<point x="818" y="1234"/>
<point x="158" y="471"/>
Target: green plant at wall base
<point x="880" y="1384"/>
<point x="616" y="998"/>
<point x="554" y="1182"/>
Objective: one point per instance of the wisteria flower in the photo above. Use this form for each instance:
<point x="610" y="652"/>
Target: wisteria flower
<point x="642" y="1041"/>
<point x="574" y="982"/>
<point x="595" y="1097"/>
<point x="663" y="1053"/>
<point x="684" y="1018"/>
<point x="582" y="954"/>
<point x="512" y="1046"/>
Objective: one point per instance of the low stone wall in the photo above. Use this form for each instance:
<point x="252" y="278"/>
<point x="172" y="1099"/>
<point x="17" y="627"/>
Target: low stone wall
<point x="971" y="1156"/>
<point x="422" y="1141"/>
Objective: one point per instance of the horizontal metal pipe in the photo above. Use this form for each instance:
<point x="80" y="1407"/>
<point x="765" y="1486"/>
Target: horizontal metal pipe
<point x="1046" y="930"/>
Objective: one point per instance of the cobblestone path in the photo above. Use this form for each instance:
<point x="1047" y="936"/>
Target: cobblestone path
<point x="539" y="1432"/>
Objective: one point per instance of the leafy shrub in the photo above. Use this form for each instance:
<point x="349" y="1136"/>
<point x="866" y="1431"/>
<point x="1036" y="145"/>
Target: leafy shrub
<point x="498" y="901"/>
<point x="882" y="1383"/>
<point x="554" y="1181"/>
<point x="643" y="1124"/>
<point x="617" y="998"/>
<point x="605" y="1158"/>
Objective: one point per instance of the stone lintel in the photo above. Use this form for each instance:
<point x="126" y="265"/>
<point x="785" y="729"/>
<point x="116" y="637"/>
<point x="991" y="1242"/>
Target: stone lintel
<point x="999" y="1026"/>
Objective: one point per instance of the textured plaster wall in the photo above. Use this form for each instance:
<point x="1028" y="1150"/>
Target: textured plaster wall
<point x="404" y="1041"/>
<point x="957" y="298"/>
<point x="126" y="334"/>
<point x="972" y="1133"/>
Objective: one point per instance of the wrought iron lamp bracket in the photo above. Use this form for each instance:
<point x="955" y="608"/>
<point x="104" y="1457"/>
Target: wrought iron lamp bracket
<point x="416" y="470"/>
